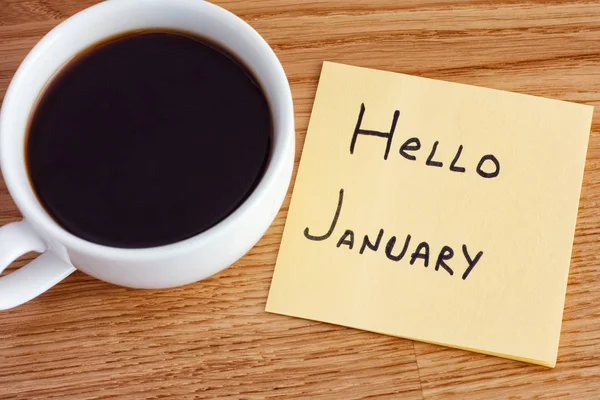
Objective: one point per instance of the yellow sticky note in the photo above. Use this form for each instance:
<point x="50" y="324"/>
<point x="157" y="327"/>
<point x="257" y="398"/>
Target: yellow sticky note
<point x="434" y="211"/>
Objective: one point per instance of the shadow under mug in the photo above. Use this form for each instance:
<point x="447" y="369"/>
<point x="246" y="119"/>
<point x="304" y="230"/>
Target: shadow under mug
<point x="171" y="265"/>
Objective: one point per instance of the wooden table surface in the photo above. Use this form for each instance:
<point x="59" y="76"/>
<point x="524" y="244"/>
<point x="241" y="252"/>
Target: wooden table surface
<point x="87" y="339"/>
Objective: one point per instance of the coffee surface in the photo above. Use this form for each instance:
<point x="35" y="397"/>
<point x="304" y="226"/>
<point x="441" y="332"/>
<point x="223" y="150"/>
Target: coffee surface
<point x="148" y="139"/>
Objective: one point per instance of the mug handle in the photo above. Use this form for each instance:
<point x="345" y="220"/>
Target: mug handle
<point x="33" y="279"/>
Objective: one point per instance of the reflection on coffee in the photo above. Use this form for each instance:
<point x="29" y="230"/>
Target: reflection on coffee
<point x="147" y="139"/>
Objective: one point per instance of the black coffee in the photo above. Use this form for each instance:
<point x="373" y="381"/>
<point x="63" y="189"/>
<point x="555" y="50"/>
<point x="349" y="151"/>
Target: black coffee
<point x="147" y="139"/>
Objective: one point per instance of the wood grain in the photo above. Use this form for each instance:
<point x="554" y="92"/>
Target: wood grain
<point x="87" y="339"/>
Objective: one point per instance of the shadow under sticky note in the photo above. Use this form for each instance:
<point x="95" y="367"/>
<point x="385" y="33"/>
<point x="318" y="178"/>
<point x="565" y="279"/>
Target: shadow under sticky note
<point x="434" y="211"/>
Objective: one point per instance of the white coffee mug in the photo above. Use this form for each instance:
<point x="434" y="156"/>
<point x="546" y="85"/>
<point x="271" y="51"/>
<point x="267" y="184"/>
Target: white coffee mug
<point x="175" y="264"/>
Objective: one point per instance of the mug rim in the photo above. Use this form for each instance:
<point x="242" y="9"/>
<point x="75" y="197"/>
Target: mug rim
<point x="279" y="155"/>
